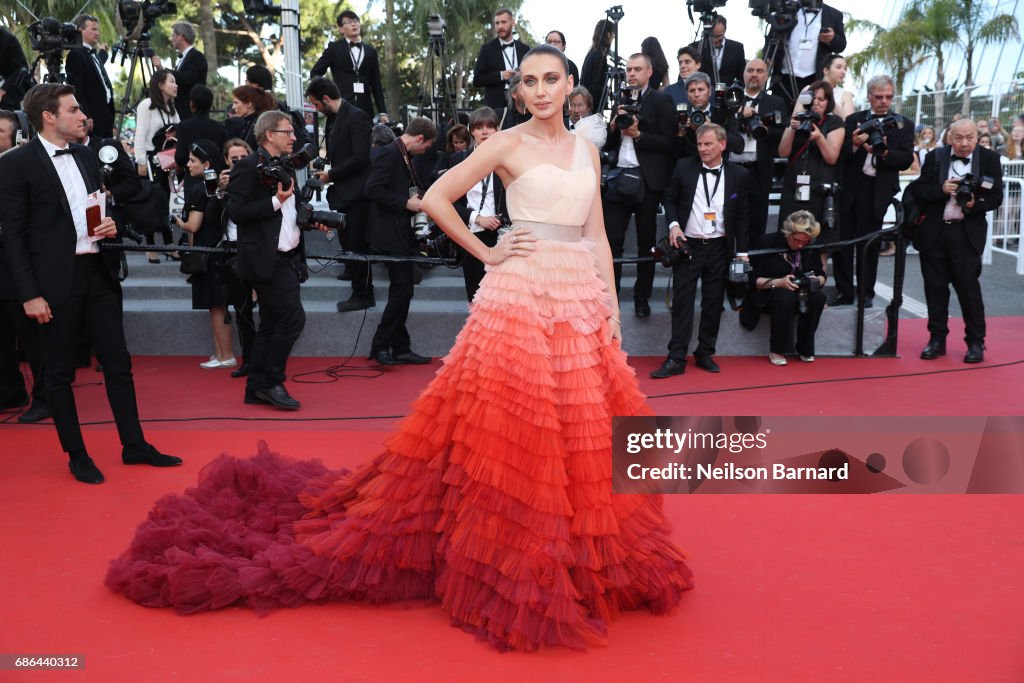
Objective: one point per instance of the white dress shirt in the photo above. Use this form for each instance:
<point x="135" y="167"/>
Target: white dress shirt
<point x="74" y="188"/>
<point x="627" y="148"/>
<point x="473" y="199"/>
<point x="804" y="34"/>
<point x="288" y="239"/>
<point x="957" y="170"/>
<point x="696" y="225"/>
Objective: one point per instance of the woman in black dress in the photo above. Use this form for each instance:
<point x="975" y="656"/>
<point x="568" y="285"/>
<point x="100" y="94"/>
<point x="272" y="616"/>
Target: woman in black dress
<point x="206" y="229"/>
<point x="812" y="148"/>
<point x="595" y="65"/>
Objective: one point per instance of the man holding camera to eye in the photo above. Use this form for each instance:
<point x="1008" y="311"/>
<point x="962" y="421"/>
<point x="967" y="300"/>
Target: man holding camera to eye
<point x="958" y="185"/>
<point x="706" y="207"/>
<point x="700" y="110"/>
<point x="878" y="145"/>
<point x="395" y="190"/>
<point x="270" y="257"/>
<point x="759" y="118"/>
<point x="641" y="142"/>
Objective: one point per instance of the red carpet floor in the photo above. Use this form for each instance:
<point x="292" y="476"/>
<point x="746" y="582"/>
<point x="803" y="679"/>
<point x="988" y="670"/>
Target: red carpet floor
<point x="789" y="588"/>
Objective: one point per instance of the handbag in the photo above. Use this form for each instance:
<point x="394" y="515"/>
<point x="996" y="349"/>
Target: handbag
<point x="165" y="159"/>
<point x="194" y="262"/>
<point x="625" y="186"/>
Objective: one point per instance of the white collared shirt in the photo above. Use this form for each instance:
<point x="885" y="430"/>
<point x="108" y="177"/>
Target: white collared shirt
<point x="99" y="69"/>
<point x="957" y="170"/>
<point x="356" y="50"/>
<point x="808" y="25"/>
<point x="288" y="238"/>
<point x="74" y="188"/>
<point x="695" y="224"/>
<point x="627" y="148"/>
<point x="510" y="57"/>
<point x="473" y="200"/>
<point x="183" y="53"/>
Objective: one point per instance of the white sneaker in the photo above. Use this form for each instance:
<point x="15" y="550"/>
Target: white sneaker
<point x="213" y="363"/>
<point x="807" y="359"/>
<point x="777" y="359"/>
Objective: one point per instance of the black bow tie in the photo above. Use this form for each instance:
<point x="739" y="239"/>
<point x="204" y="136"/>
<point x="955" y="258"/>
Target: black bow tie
<point x="713" y="171"/>
<point x="963" y="159"/>
<point x="66" y="150"/>
<point x="352" y="45"/>
<point x="505" y="47"/>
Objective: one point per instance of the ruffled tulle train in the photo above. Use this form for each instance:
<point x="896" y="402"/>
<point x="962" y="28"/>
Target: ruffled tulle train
<point x="493" y="496"/>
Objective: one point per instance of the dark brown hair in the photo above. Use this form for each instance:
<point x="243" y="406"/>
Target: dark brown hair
<point x="44" y="97"/>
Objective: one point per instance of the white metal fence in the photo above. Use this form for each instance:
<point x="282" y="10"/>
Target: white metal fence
<point x="1002" y="101"/>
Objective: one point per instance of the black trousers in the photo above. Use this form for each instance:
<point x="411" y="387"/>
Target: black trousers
<point x="759" y="189"/>
<point x="859" y="220"/>
<point x="391" y="334"/>
<point x="783" y="306"/>
<point x="355" y="239"/>
<point x="95" y="300"/>
<point x="951" y="260"/>
<point x="240" y="298"/>
<point x="473" y="270"/>
<point x="616" y="221"/>
<point x="19" y="336"/>
<point x="281" y="321"/>
<point x="709" y="264"/>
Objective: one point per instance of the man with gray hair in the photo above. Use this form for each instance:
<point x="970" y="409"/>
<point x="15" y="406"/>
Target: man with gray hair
<point x="878" y="145"/>
<point x="698" y="95"/>
<point x="191" y="67"/>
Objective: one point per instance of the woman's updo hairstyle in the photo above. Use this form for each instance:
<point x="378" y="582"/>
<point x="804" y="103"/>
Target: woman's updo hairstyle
<point x="550" y="50"/>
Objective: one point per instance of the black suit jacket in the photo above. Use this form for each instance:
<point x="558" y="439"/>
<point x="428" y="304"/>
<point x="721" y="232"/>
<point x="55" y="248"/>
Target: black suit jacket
<point x="462" y="204"/>
<point x="338" y="58"/>
<point x="348" y="150"/>
<point x="198" y="127"/>
<point x="927" y="190"/>
<point x="734" y="62"/>
<point x="190" y="71"/>
<point x="657" y="143"/>
<point x="12" y="61"/>
<point x="91" y="88"/>
<point x="387" y="188"/>
<point x="686" y="144"/>
<point x="251" y="207"/>
<point x="593" y="74"/>
<point x="487" y="72"/>
<point x="831" y="18"/>
<point x="768" y="146"/>
<point x="678" y="199"/>
<point x="887" y="182"/>
<point x="38" y="229"/>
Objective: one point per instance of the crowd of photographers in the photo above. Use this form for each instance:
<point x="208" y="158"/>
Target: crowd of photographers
<point x="701" y="151"/>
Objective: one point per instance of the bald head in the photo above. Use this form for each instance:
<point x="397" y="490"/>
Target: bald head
<point x="963" y="137"/>
<point x="755" y="76"/>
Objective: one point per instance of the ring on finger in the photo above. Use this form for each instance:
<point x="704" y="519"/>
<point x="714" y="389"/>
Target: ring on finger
<point x="514" y="239"/>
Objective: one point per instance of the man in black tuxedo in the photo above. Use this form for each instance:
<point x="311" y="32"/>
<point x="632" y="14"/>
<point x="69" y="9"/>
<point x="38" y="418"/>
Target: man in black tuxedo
<point x="706" y="207"/>
<point x="271" y="257"/>
<point x="191" y="68"/>
<point x="13" y="71"/>
<point x="724" y="55"/>
<point x="348" y="152"/>
<point x="698" y="93"/>
<point x="498" y="60"/>
<point x="758" y="155"/>
<point x="62" y="277"/>
<point x="951" y="236"/>
<point x="355" y="67"/>
<point x="818" y="32"/>
<point x="199" y="126"/>
<point x="648" y="144"/>
<point x="388" y="187"/>
<point x="870" y="181"/>
<point x="557" y="39"/>
<point x="84" y="68"/>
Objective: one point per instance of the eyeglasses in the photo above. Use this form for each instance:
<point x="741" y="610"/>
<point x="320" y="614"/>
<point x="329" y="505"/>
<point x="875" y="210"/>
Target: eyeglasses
<point x="286" y="131"/>
<point x="553" y="42"/>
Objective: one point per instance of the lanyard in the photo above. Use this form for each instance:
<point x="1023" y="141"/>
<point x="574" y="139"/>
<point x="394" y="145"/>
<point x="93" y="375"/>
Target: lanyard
<point x="808" y="24"/>
<point x="794" y="262"/>
<point x="356" y="64"/>
<point x="483" y="194"/>
<point x="509" y="62"/>
<point x="718" y="179"/>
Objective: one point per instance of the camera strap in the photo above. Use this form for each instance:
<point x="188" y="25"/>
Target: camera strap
<point x="483" y="194"/>
<point x="408" y="164"/>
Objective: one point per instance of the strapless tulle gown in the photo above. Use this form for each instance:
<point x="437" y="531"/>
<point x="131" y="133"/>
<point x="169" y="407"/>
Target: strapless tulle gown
<point x="493" y="496"/>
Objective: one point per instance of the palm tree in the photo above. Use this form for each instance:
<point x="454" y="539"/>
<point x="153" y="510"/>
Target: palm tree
<point x="974" y="27"/>
<point x="897" y="49"/>
<point x="931" y="23"/>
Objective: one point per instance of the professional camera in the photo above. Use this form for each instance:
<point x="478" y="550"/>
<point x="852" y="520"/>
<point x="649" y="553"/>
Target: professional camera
<point x="49" y="34"/>
<point x="780" y="15"/>
<point x="211" y="182"/>
<point x="688" y="117"/>
<point x="705" y="6"/>
<point x="829" y="192"/>
<point x="318" y="164"/>
<point x="629" y="103"/>
<point x="306" y="216"/>
<point x="807" y="284"/>
<point x="133" y="11"/>
<point x="436" y="25"/>
<point x="757" y="125"/>
<point x="877" y="129"/>
<point x="969" y="188"/>
<point x="279" y="169"/>
<point x="729" y="98"/>
<point x="807" y="119"/>
<point x="738" y="270"/>
<point x="614" y="13"/>
<point x="670" y="254"/>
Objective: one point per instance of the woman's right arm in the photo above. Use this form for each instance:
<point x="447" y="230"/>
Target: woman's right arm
<point x="142" y="134"/>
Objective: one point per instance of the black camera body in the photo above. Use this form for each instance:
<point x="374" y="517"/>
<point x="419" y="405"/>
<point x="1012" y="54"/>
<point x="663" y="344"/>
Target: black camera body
<point x="807" y="284"/>
<point x="137" y="16"/>
<point x="705" y="6"/>
<point x="757" y="125"/>
<point x="279" y="169"/>
<point x="780" y="15"/>
<point x="629" y="103"/>
<point x="689" y="117"/>
<point x="877" y="129"/>
<point x="211" y="182"/>
<point x="729" y="98"/>
<point x="306" y="217"/>
<point x="807" y="121"/>
<point x="49" y="34"/>
<point x="669" y="254"/>
<point x="970" y="186"/>
<point x="829" y="191"/>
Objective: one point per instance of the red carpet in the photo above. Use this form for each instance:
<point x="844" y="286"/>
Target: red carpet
<point x="836" y="588"/>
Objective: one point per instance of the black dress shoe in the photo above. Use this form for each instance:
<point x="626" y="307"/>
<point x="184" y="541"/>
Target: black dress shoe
<point x="383" y="357"/>
<point x="345" y="275"/>
<point x="275" y="396"/>
<point x="147" y="455"/>
<point x="356" y="303"/>
<point x="668" y="368"/>
<point x="706" y="363"/>
<point x="935" y="347"/>
<point x="38" y="411"/>
<point x="641" y="306"/>
<point x="975" y="353"/>
<point x="85" y="470"/>
<point x="869" y="302"/>
<point x="410" y="358"/>
<point x="242" y="371"/>
<point x="840" y="300"/>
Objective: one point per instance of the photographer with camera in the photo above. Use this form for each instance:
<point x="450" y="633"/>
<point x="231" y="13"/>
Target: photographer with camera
<point x="498" y="60"/>
<point x="812" y="145"/>
<point x="394" y="190"/>
<point x="817" y="31"/>
<point x="700" y="110"/>
<point x="191" y="68"/>
<point x="725" y="54"/>
<point x="707" y="210"/>
<point x="13" y="71"/>
<point x="348" y="152"/>
<point x="786" y="285"/>
<point x="878" y="145"/>
<point x="84" y="68"/>
<point x="958" y="185"/>
<point x="261" y="202"/>
<point x="640" y="139"/>
<point x="759" y="120"/>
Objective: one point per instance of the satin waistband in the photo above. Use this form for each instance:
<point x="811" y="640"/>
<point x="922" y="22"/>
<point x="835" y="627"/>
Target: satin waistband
<point x="547" y="231"/>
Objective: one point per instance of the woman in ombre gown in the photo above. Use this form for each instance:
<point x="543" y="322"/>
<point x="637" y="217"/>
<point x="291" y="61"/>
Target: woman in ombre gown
<point x="494" y="495"/>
